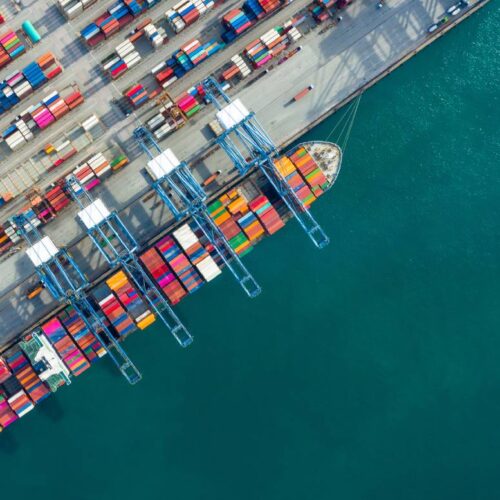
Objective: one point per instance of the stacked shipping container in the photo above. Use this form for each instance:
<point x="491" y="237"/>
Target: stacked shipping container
<point x="10" y="47"/>
<point x="236" y="22"/>
<point x="290" y="174"/>
<point x="266" y="213"/>
<point x="87" y="342"/>
<point x="163" y="275"/>
<point x="196" y="252"/>
<point x="20" y="84"/>
<point x="180" y="264"/>
<point x="114" y="311"/>
<point x="131" y="300"/>
<point x="40" y="116"/>
<point x="73" y="8"/>
<point x="186" y="13"/>
<point x="22" y="369"/>
<point x="227" y="224"/>
<point x="69" y="352"/>
<point x="114" y="19"/>
<point x="137" y="95"/>
<point x="310" y="171"/>
<point x="7" y="416"/>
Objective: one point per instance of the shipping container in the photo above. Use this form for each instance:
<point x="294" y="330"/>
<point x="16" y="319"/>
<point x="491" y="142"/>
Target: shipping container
<point x="67" y="349"/>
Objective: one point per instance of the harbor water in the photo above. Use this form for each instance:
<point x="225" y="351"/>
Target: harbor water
<point x="367" y="370"/>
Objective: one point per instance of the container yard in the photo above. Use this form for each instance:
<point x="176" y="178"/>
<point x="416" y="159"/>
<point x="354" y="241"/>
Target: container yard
<point x="95" y="204"/>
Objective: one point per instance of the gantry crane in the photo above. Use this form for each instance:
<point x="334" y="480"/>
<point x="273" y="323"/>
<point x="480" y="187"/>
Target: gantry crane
<point x="117" y="245"/>
<point x="183" y="195"/>
<point x="66" y="282"/>
<point x="248" y="145"/>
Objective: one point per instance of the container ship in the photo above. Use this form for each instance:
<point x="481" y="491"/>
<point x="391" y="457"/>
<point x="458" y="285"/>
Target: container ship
<point x="179" y="262"/>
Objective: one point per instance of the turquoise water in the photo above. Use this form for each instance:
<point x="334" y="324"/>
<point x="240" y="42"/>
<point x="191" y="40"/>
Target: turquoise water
<point x="369" y="370"/>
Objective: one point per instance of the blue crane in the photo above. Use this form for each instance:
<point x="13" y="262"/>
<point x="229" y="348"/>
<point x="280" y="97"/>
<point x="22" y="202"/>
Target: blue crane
<point x="183" y="195"/>
<point x="248" y="145"/>
<point x="117" y="245"/>
<point x="66" y="282"/>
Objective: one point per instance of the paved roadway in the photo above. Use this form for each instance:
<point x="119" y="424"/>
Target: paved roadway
<point x="338" y="62"/>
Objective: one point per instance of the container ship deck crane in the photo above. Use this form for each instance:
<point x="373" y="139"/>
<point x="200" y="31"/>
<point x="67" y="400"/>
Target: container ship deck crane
<point x="66" y="282"/>
<point x="183" y="195"/>
<point x="254" y="148"/>
<point x="117" y="245"/>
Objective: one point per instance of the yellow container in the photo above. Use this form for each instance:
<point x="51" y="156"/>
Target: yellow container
<point x="148" y="320"/>
<point x="284" y="166"/>
<point x="117" y="280"/>
<point x="223" y="217"/>
<point x="238" y="205"/>
<point x="225" y="199"/>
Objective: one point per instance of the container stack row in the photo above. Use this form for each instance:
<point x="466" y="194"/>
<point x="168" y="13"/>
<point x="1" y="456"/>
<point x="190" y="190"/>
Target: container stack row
<point x="57" y="198"/>
<point x="20" y="403"/>
<point x="269" y="5"/>
<point x="64" y="345"/>
<point x="137" y="95"/>
<point x="114" y="19"/>
<point x="266" y="213"/>
<point x="226" y="222"/>
<point x="163" y="275"/>
<point x="238" y="67"/>
<point x="85" y="339"/>
<point x="254" y="9"/>
<point x="269" y="45"/>
<point x="235" y="22"/>
<point x="25" y="374"/>
<point x="196" y="253"/>
<point x="7" y="414"/>
<point x="179" y="263"/>
<point x="124" y="57"/>
<point x="237" y="205"/>
<point x="292" y="176"/>
<point x="114" y="311"/>
<point x="293" y="34"/>
<point x="188" y="104"/>
<point x="73" y="8"/>
<point x="10" y="47"/>
<point x="310" y="171"/>
<point x="168" y="72"/>
<point x="156" y="36"/>
<point x="39" y="116"/>
<point x="20" y="84"/>
<point x="187" y="12"/>
<point x="14" y="402"/>
<point x="130" y="299"/>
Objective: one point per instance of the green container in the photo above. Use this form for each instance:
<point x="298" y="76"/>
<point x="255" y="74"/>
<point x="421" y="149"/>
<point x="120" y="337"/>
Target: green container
<point x="237" y="240"/>
<point x="310" y="175"/>
<point x="214" y="206"/>
<point x="117" y="160"/>
<point x="193" y="111"/>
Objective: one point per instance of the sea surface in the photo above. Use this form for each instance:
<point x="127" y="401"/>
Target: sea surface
<point x="368" y="370"/>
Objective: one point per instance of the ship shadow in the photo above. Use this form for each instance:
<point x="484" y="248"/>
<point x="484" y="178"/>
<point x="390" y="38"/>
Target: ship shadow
<point x="8" y="444"/>
<point x="53" y="411"/>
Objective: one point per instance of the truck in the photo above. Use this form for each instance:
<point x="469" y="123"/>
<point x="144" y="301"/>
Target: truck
<point x="302" y="93"/>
